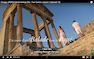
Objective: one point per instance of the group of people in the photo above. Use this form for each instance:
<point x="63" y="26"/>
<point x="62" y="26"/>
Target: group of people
<point x="62" y="36"/>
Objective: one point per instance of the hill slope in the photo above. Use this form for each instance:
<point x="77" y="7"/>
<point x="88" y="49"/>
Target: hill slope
<point x="81" y="46"/>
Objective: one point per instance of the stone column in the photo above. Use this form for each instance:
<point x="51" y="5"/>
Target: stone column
<point x="56" y="35"/>
<point x="19" y="23"/>
<point x="36" y="29"/>
<point x="47" y="36"/>
<point x="51" y="45"/>
<point x="6" y="41"/>
<point x="11" y="28"/>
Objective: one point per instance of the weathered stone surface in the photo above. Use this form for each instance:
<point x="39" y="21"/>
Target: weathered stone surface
<point x="47" y="31"/>
<point x="6" y="38"/>
<point x="2" y="37"/>
<point x="30" y="31"/>
<point x="56" y="35"/>
<point x="15" y="32"/>
<point x="81" y="47"/>
<point x="19" y="23"/>
<point x="78" y="47"/>
<point x="11" y="31"/>
<point x="36" y="30"/>
<point x="8" y="11"/>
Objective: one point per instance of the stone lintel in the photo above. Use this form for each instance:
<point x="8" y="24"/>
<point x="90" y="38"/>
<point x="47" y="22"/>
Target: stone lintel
<point x="32" y="7"/>
<point x="41" y="25"/>
<point x="30" y="31"/>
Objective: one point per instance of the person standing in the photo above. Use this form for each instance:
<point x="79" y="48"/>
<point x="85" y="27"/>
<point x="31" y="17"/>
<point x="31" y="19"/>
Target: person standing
<point x="77" y="28"/>
<point x="62" y="36"/>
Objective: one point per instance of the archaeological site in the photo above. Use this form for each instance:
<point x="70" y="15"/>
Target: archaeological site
<point x="79" y="46"/>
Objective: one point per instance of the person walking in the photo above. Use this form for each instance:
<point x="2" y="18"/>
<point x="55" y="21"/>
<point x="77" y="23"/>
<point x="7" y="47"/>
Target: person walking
<point x="62" y="36"/>
<point x="77" y="28"/>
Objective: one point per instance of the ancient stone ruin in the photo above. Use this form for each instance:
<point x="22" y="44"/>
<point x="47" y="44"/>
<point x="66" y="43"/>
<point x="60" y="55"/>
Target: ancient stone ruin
<point x="9" y="31"/>
<point x="79" y="47"/>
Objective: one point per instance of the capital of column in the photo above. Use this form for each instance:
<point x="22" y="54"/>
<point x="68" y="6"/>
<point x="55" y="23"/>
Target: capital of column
<point x="20" y="4"/>
<point x="44" y="17"/>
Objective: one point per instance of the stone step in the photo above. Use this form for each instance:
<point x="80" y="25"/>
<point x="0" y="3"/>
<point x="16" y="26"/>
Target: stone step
<point x="86" y="31"/>
<point x="77" y="44"/>
<point x="31" y="48"/>
<point x="82" y="49"/>
<point x="81" y="39"/>
<point x="80" y="44"/>
<point x="79" y="51"/>
<point x="26" y="50"/>
<point x="78" y="48"/>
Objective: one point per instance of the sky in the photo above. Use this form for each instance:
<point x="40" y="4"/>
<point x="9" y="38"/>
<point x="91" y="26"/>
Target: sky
<point x="64" y="14"/>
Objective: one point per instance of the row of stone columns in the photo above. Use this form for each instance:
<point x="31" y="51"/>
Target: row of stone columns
<point x="46" y="28"/>
<point x="36" y="29"/>
<point x="47" y="32"/>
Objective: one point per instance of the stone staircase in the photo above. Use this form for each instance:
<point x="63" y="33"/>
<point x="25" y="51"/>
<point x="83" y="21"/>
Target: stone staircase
<point x="24" y="49"/>
<point x="81" y="46"/>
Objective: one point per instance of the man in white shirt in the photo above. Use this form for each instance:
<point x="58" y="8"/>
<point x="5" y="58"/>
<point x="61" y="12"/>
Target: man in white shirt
<point x="77" y="28"/>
